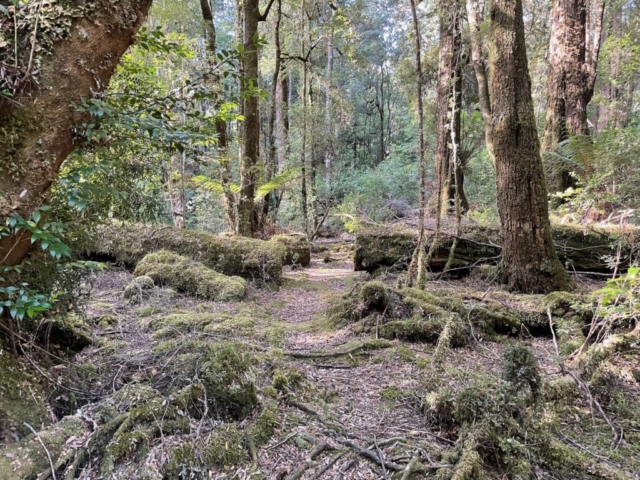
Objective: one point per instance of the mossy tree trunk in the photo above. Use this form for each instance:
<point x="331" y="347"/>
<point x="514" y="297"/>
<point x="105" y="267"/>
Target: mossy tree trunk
<point x="530" y="263"/>
<point x="571" y="78"/>
<point x="37" y="126"/>
<point x="251" y="137"/>
<point x="449" y="173"/>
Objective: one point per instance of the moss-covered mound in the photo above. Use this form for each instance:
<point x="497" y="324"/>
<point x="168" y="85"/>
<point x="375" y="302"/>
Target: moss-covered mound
<point x="578" y="249"/>
<point x="139" y="289"/>
<point x="515" y="425"/>
<point x="233" y="256"/>
<point x="298" y="250"/>
<point x="190" y="277"/>
<point x="21" y="399"/>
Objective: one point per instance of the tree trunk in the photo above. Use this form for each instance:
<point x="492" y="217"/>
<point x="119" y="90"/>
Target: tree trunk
<point x="220" y="125"/>
<point x="282" y="117"/>
<point x="475" y="15"/>
<point x="270" y="166"/>
<point x="176" y="190"/>
<point x="572" y="69"/>
<point x="251" y="140"/>
<point x="37" y="125"/>
<point x="529" y="261"/>
<point x="417" y="268"/>
<point x="303" y="152"/>
<point x="449" y="173"/>
<point x="328" y="153"/>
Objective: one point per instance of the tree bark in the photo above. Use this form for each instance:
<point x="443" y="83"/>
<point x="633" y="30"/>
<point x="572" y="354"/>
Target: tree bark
<point x="222" y="145"/>
<point x="571" y="77"/>
<point x="417" y="268"/>
<point x="529" y="261"/>
<point x="251" y="137"/>
<point x="303" y="152"/>
<point x="449" y="173"/>
<point x="176" y="190"/>
<point x="37" y="126"/>
<point x="271" y="163"/>
<point x="475" y="15"/>
<point x="328" y="152"/>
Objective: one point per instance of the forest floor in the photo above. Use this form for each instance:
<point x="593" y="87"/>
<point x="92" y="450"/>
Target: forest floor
<point x="348" y="405"/>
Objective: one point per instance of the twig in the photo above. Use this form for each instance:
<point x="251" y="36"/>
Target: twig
<point x="381" y="457"/>
<point x="327" y="466"/>
<point x="46" y="450"/>
<point x="282" y="442"/>
<point x="553" y="333"/>
<point x="410" y="465"/>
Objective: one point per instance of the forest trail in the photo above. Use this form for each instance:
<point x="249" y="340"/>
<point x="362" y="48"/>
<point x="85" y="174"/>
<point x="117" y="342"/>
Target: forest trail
<point x="364" y="394"/>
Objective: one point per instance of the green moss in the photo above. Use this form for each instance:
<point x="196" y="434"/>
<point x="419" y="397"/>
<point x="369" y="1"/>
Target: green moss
<point x="139" y="289"/>
<point x="21" y="397"/>
<point x="374" y="294"/>
<point x="297" y="248"/>
<point x="520" y="368"/>
<point x="225" y="373"/>
<point x="107" y="320"/>
<point x="144" y="312"/>
<point x="265" y="425"/>
<point x="404" y="353"/>
<point x="560" y="390"/>
<point x="393" y="393"/>
<point x="232" y="325"/>
<point x="190" y="277"/>
<point x="68" y="332"/>
<point x="224" y="448"/>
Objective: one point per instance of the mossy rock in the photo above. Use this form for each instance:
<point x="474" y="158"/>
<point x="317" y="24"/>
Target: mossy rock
<point x="128" y="243"/>
<point x="190" y="277"/>
<point x="144" y="312"/>
<point x="297" y="248"/>
<point x="21" y="398"/>
<point x="106" y="320"/>
<point x="374" y="294"/>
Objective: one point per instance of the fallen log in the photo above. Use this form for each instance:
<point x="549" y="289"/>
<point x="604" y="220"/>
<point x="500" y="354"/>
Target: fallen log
<point x="127" y="244"/>
<point x="595" y="250"/>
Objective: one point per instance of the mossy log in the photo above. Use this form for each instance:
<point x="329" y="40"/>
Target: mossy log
<point x="582" y="250"/>
<point x="298" y="250"/>
<point x="190" y="277"/>
<point x="127" y="244"/>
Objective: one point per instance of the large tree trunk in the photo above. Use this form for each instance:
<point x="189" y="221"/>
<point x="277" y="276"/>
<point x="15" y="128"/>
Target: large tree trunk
<point x="529" y="261"/>
<point x="449" y="173"/>
<point x="220" y="125"/>
<point x="572" y="69"/>
<point x="328" y="152"/>
<point x="37" y="126"/>
<point x="251" y="137"/>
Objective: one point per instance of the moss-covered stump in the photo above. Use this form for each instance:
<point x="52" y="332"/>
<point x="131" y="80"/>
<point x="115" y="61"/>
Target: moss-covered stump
<point x="234" y="256"/>
<point x="578" y="249"/>
<point x="190" y="277"/>
<point x="21" y="399"/>
<point x="298" y="250"/>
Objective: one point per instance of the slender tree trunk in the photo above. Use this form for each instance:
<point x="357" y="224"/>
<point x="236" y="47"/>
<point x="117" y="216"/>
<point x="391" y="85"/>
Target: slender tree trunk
<point x="303" y="152"/>
<point x="475" y="15"/>
<point x="271" y="163"/>
<point x="328" y="153"/>
<point x="282" y="117"/>
<point x="176" y="190"/>
<point x="449" y="174"/>
<point x="222" y="144"/>
<point x="529" y="261"/>
<point x="78" y="67"/>
<point x="417" y="269"/>
<point x="251" y="137"/>
<point x="572" y="69"/>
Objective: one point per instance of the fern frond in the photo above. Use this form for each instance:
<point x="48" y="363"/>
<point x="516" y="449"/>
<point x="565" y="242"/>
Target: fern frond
<point x="213" y="185"/>
<point x="277" y="182"/>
